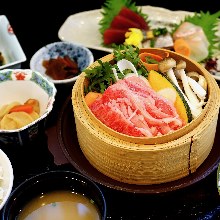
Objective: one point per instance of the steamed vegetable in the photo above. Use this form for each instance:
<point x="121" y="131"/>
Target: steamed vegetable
<point x="91" y="97"/>
<point x="159" y="82"/>
<point x="171" y="80"/>
<point x="22" y="108"/>
<point x="167" y="66"/>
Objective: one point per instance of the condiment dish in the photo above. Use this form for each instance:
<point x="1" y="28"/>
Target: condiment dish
<point x="61" y="70"/>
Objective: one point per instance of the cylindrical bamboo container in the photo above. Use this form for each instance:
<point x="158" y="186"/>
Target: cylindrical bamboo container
<point x="141" y="160"/>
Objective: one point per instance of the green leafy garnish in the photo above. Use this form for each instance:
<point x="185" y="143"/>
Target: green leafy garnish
<point x="102" y="76"/>
<point x="111" y="8"/>
<point x="150" y="60"/>
<point x="159" y="31"/>
<point x="127" y="52"/>
<point x="209" y="23"/>
<point x="152" y="42"/>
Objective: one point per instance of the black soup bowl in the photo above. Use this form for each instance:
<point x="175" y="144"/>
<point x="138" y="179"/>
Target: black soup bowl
<point x="52" y="182"/>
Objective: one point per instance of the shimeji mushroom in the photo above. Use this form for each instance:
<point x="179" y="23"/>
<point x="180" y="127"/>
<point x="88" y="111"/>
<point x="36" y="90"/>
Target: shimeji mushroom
<point x="198" y="78"/>
<point x="202" y="82"/>
<point x="180" y="70"/>
<point x="166" y="66"/>
<point x="197" y="89"/>
<point x="190" y="84"/>
<point x="192" y="89"/>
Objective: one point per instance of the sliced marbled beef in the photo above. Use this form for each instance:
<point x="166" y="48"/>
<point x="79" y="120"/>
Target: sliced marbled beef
<point x="131" y="107"/>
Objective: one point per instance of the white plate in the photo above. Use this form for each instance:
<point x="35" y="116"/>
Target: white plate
<point x="83" y="27"/>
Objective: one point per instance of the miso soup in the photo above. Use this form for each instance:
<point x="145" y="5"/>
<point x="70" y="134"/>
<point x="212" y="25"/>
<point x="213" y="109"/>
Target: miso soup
<point x="60" y="205"/>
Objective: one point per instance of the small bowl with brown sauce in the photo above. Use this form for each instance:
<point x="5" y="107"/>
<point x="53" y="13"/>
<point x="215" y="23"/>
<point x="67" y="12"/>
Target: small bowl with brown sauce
<point x="59" y="194"/>
<point x="61" y="62"/>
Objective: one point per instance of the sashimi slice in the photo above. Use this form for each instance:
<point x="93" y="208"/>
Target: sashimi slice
<point x="113" y="35"/>
<point x="121" y="22"/>
<point x="129" y="14"/>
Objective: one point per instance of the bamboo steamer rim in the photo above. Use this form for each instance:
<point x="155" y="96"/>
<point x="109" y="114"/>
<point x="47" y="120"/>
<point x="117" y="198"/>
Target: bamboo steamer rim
<point x="209" y="110"/>
<point x="93" y="130"/>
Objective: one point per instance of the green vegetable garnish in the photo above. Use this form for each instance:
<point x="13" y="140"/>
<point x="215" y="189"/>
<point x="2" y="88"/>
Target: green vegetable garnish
<point x="150" y="60"/>
<point x="129" y="53"/>
<point x="160" y="31"/>
<point x="152" y="42"/>
<point x="102" y="76"/>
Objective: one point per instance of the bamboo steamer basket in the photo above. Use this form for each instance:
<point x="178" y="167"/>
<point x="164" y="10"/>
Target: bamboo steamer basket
<point x="142" y="160"/>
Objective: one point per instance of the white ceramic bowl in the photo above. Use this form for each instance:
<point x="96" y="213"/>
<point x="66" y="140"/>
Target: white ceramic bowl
<point x="21" y="85"/>
<point x="81" y="54"/>
<point x="10" y="47"/>
<point x="8" y="177"/>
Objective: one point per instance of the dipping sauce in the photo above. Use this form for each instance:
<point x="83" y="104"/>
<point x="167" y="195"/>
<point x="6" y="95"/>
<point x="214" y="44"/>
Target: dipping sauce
<point x="60" y="205"/>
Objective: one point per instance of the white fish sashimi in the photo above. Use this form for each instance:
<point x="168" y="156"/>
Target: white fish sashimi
<point x="195" y="38"/>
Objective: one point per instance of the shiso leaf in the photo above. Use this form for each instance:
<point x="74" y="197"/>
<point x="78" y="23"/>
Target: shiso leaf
<point x="102" y="76"/>
<point x="111" y="8"/>
<point x="209" y="23"/>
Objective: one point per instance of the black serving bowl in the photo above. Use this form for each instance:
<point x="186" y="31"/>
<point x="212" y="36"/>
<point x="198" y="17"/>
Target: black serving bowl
<point x="49" y="182"/>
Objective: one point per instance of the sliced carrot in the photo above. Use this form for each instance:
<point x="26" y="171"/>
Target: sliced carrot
<point x="149" y="65"/>
<point x="181" y="46"/>
<point x="91" y="97"/>
<point x="22" y="108"/>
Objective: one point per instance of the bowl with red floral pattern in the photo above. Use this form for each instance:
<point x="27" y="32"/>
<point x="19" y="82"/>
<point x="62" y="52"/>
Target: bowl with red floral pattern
<point x="27" y="101"/>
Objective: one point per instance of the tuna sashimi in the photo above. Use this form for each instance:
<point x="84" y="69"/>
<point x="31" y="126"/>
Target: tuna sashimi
<point x="128" y="13"/>
<point x="113" y="35"/>
<point x="121" y="22"/>
<point x="131" y="107"/>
